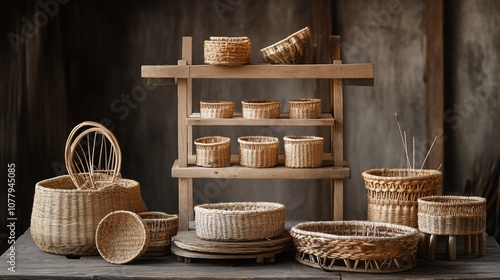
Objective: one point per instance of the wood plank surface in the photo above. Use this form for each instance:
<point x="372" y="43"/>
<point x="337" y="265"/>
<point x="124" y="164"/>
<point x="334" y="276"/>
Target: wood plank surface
<point x="283" y="120"/>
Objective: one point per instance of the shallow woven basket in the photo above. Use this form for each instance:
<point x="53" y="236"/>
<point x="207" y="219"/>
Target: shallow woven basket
<point x="260" y="108"/>
<point x="121" y="237"/>
<point x="162" y="227"/>
<point x="357" y="246"/>
<point x="213" y="151"/>
<point x="212" y="109"/>
<point x="303" y="151"/>
<point x="239" y="221"/>
<point x="292" y="50"/>
<point x="452" y="215"/>
<point x="258" y="151"/>
<point x="393" y="193"/>
<point x="305" y="108"/>
<point x="228" y="51"/>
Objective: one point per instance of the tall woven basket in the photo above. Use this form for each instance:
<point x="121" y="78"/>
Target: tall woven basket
<point x="393" y="193"/>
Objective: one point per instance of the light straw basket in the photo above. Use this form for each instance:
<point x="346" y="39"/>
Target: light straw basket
<point x="212" y="109"/>
<point x="162" y="227"/>
<point x="258" y="151"/>
<point x="213" y="151"/>
<point x="227" y="51"/>
<point x="260" y="108"/>
<point x="303" y="151"/>
<point x="304" y="108"/>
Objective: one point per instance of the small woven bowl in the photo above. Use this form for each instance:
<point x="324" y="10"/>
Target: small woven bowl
<point x="213" y="151"/>
<point x="258" y="151"/>
<point x="227" y="51"/>
<point x="212" y="109"/>
<point x="291" y="50"/>
<point x="162" y="227"/>
<point x="305" y="108"/>
<point x="303" y="151"/>
<point x="260" y="108"/>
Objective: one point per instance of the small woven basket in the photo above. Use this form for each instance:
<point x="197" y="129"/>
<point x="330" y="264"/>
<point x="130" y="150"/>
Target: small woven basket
<point x="213" y="151"/>
<point x="162" y="227"/>
<point x="393" y="193"/>
<point x="292" y="50"/>
<point x="303" y="151"/>
<point x="239" y="221"/>
<point x="258" y="151"/>
<point x="227" y="51"/>
<point x="260" y="108"/>
<point x="305" y="108"/>
<point x="212" y="109"/>
<point x="356" y="246"/>
<point x="452" y="215"/>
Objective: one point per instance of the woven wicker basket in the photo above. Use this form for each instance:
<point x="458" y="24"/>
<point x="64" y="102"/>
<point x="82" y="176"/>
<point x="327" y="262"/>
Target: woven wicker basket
<point x="228" y="51"/>
<point x="305" y="108"/>
<point x="162" y="227"/>
<point x="393" y="193"/>
<point x="213" y="109"/>
<point x="357" y="246"/>
<point x="213" y="151"/>
<point x="452" y="215"/>
<point x="303" y="151"/>
<point x="292" y="50"/>
<point x="239" y="221"/>
<point x="121" y="237"/>
<point x="261" y="108"/>
<point x="258" y="151"/>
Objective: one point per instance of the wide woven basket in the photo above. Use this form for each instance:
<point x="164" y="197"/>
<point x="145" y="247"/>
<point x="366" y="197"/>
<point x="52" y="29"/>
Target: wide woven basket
<point x="162" y="227"/>
<point x="452" y="215"/>
<point x="303" y="151"/>
<point x="305" y="108"/>
<point x="213" y="151"/>
<point x="239" y="221"/>
<point x="292" y="50"/>
<point x="258" y="151"/>
<point x="228" y="51"/>
<point x="213" y="109"/>
<point x="356" y="246"/>
<point x="121" y="237"/>
<point x="260" y="108"/>
<point x="393" y="193"/>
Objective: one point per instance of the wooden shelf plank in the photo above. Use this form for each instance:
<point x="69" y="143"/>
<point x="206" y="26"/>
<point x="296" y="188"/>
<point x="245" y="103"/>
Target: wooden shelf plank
<point x="284" y="120"/>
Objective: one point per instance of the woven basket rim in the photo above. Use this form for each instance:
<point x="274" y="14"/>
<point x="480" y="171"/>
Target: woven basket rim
<point x="419" y="174"/>
<point x="220" y="140"/>
<point x="440" y="200"/>
<point x="216" y="102"/>
<point x="284" y="43"/>
<point x="40" y="185"/>
<point x="221" y="208"/>
<point x="254" y="140"/>
<point x="305" y="100"/>
<point x="229" y="39"/>
<point x="260" y="102"/>
<point x="302" y="138"/>
<point x="158" y="216"/>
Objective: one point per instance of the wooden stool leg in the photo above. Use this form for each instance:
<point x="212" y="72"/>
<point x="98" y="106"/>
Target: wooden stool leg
<point x="467" y="244"/>
<point x="432" y="247"/>
<point x="474" y="243"/>
<point x="452" y="247"/>
<point x="481" y="244"/>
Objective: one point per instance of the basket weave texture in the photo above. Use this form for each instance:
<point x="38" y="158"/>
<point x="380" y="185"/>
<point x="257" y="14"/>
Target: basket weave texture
<point x="213" y="151"/>
<point x="305" y="108"/>
<point x="303" y="151"/>
<point x="239" y="221"/>
<point x="452" y="215"/>
<point x="360" y="246"/>
<point x="258" y="151"/>
<point x="212" y="109"/>
<point x="162" y="227"/>
<point x="292" y="50"/>
<point x="393" y="193"/>
<point x="227" y="51"/>
<point x="260" y="108"/>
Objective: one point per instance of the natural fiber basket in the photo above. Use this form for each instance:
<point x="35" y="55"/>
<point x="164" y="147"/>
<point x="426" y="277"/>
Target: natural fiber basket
<point x="305" y="108"/>
<point x="239" y="221"/>
<point x="356" y="246"/>
<point x="162" y="227"/>
<point x="393" y="193"/>
<point x="303" y="151"/>
<point x="121" y="237"/>
<point x="213" y="151"/>
<point x="212" y="109"/>
<point x="228" y="51"/>
<point x="258" y="151"/>
<point x="452" y="215"/>
<point x="260" y="108"/>
<point x="292" y="50"/>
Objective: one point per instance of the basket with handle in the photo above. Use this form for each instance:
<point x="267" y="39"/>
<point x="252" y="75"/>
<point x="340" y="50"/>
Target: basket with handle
<point x="227" y="51"/>
<point x="303" y="151"/>
<point x="258" y="151"/>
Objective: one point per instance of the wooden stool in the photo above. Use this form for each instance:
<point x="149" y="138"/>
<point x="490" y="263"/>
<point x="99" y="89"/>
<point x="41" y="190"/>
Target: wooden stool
<point x="475" y="243"/>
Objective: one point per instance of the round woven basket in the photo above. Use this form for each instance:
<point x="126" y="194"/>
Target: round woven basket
<point x="121" y="237"/>
<point x="239" y="221"/>
<point x="260" y="108"/>
<point x="227" y="51"/>
<point x="212" y="109"/>
<point x="356" y="246"/>
<point x="452" y="215"/>
<point x="303" y="151"/>
<point x="213" y="151"/>
<point x="258" y="151"/>
<point x="305" y="108"/>
<point x="292" y="50"/>
<point x="393" y="193"/>
<point x="162" y="227"/>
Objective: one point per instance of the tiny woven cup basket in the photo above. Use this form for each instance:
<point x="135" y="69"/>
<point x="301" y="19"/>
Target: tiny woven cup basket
<point x="292" y="50"/>
<point x="452" y="215"/>
<point x="162" y="227"/>
<point x="258" y="151"/>
<point x="260" y="108"/>
<point x="228" y="51"/>
<point x="239" y="221"/>
<point x="305" y="108"/>
<point x="213" y="109"/>
<point x="356" y="246"/>
<point x="213" y="151"/>
<point x="303" y="151"/>
<point x="393" y="193"/>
